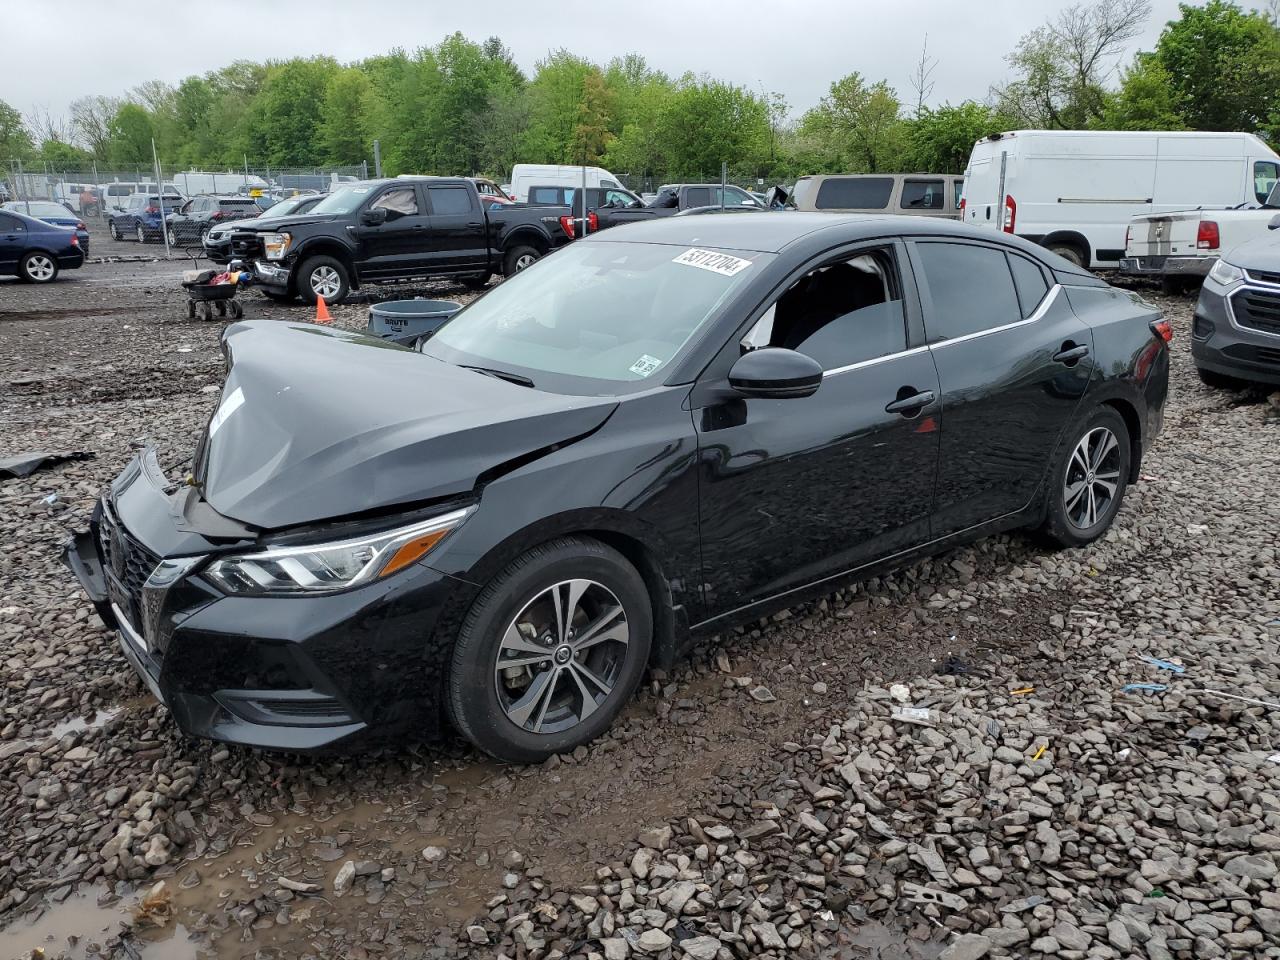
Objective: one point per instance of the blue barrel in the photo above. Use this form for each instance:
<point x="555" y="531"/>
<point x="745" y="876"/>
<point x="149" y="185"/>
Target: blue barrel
<point x="407" y="321"/>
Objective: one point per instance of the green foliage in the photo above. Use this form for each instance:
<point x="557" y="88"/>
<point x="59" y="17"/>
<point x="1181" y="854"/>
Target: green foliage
<point x="15" y="141"/>
<point x="939" y="140"/>
<point x="287" y="112"/>
<point x="556" y="95"/>
<point x="56" y="152"/>
<point x="130" y="132"/>
<point x="707" y="122"/>
<point x="343" y="127"/>
<point x="857" y="126"/>
<point x="1145" y="100"/>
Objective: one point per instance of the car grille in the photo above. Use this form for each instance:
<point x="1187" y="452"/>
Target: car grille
<point x="1269" y="355"/>
<point x="127" y="563"/>
<point x="1263" y="276"/>
<point x="1257" y="309"/>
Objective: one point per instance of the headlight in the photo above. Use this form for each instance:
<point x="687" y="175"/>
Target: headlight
<point x="276" y="245"/>
<point x="1225" y="273"/>
<point x="330" y="567"/>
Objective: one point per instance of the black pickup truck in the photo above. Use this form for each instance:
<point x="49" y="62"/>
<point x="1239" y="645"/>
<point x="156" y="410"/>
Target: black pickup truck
<point x="676" y="198"/>
<point x="408" y="228"/>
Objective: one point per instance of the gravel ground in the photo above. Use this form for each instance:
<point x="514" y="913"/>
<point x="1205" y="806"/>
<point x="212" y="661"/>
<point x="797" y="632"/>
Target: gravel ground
<point x="937" y="763"/>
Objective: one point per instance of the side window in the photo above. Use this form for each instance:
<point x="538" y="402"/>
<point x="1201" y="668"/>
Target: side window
<point x="922" y="195"/>
<point x="957" y="193"/>
<point x="1265" y="175"/>
<point x="698" y="197"/>
<point x="839" y="314"/>
<point x="446" y="200"/>
<point x="616" y="198"/>
<point x="970" y="287"/>
<point x="1029" y="281"/>
<point x="536" y="195"/>
<point x="609" y="183"/>
<point x="854" y="193"/>
<point x="400" y="202"/>
<point x="11" y="225"/>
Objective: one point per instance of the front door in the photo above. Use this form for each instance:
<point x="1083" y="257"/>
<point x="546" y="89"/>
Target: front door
<point x="395" y="247"/>
<point x="794" y="491"/>
<point x="1013" y="361"/>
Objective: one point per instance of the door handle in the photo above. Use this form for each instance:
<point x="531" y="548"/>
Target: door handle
<point x="1071" y="354"/>
<point x="474" y="223"/>
<point x="910" y="405"/>
<point x="419" y="226"/>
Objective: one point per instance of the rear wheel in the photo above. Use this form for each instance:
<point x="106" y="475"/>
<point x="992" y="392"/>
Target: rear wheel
<point x="114" y="231"/>
<point x="38" y="267"/>
<point x="1088" y="482"/>
<point x="173" y="237"/>
<point x="519" y="258"/>
<point x="323" y="277"/>
<point x="140" y="233"/>
<point x="1221" y="381"/>
<point x="550" y="651"/>
<point x="1069" y="252"/>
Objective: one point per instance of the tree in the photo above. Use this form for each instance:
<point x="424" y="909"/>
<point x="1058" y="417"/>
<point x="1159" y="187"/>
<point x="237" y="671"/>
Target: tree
<point x="859" y="125"/>
<point x="940" y="139"/>
<point x="343" y="137"/>
<point x="922" y="76"/>
<point x="1061" y="69"/>
<point x="1145" y="100"/>
<point x="15" y="140"/>
<point x="555" y="96"/>
<point x="1222" y="65"/>
<point x="501" y="129"/>
<point x="708" y="122"/>
<point x="90" y="117"/>
<point x="286" y="113"/>
<point x="130" y="133"/>
<point x="64" y="156"/>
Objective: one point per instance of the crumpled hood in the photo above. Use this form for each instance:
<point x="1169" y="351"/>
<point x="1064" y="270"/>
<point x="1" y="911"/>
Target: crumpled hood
<point x="317" y="423"/>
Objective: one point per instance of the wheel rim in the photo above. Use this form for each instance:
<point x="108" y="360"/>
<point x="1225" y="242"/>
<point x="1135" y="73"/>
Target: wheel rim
<point x="173" y="239"/>
<point x="1093" y="477"/>
<point x="561" y="656"/>
<point x="325" y="282"/>
<point x="40" y="268"/>
<point x="141" y="236"/>
<point x="115" y="233"/>
<point x="525" y="261"/>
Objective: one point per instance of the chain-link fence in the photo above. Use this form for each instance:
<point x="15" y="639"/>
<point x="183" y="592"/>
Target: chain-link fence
<point x="97" y="191"/>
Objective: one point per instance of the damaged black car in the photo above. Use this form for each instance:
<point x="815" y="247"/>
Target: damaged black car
<point x="658" y="432"/>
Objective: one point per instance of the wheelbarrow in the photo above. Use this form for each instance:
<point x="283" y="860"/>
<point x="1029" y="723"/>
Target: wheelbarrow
<point x="213" y="299"/>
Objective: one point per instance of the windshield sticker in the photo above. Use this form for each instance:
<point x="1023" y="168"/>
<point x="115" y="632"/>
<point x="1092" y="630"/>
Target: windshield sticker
<point x="229" y="406"/>
<point x="645" y="365"/>
<point x="720" y="263"/>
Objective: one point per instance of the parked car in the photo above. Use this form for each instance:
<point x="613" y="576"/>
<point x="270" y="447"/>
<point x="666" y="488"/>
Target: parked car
<point x="401" y="229"/>
<point x="115" y="196"/>
<point x="648" y="437"/>
<point x="35" y="250"/>
<point x="1076" y="191"/>
<point x="1235" y="331"/>
<point x="916" y="194"/>
<point x="54" y="213"/>
<point x="674" y="198"/>
<point x="1181" y="248"/>
<point x="525" y="175"/>
<point x="217" y="240"/>
<point x="143" y="217"/>
<point x="191" y="221"/>
<point x="597" y="197"/>
<point x="490" y="192"/>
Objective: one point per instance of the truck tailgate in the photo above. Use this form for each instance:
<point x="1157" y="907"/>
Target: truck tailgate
<point x="1163" y="234"/>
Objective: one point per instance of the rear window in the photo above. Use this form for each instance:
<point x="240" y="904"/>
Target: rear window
<point x="698" y="197"/>
<point x="854" y="193"/>
<point x="550" y="194"/>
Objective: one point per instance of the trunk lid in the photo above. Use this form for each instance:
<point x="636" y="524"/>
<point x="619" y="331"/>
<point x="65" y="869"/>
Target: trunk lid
<point x="318" y="423"/>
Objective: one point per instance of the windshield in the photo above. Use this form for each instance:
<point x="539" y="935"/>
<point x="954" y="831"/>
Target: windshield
<point x="285" y="206"/>
<point x="39" y="209"/>
<point x="344" y="200"/>
<point x="600" y="314"/>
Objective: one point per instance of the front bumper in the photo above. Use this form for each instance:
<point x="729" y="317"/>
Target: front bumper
<point x="285" y="673"/>
<point x="271" y="276"/>
<point x="1222" y="344"/>
<point x="1165" y="266"/>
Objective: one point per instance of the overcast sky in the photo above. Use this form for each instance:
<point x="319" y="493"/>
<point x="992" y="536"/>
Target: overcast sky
<point x="55" y="52"/>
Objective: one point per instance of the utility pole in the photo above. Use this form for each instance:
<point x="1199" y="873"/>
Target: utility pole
<point x="164" y="226"/>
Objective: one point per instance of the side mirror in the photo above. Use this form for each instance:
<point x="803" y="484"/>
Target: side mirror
<point x="775" y="373"/>
<point x="1275" y="223"/>
<point x="374" y="217"/>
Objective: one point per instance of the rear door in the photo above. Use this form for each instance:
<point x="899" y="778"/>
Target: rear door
<point x="459" y="235"/>
<point x="1013" y="362"/>
<point x="13" y="240"/>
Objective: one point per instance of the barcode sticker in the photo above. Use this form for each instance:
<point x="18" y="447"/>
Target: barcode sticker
<point x="721" y="263"/>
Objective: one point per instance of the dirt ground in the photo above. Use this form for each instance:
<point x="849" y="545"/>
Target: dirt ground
<point x="105" y="361"/>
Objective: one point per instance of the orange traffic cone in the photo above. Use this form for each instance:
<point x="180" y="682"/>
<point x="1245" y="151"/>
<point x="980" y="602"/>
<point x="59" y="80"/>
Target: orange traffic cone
<point x="322" y="311"/>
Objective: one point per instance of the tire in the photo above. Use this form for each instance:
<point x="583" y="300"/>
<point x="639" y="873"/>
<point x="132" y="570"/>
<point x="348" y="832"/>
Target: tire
<point x="518" y="258"/>
<point x="477" y="283"/>
<point x="172" y="237"/>
<point x="1069" y="252"/>
<point x="140" y="233"/>
<point x="1083" y="469"/>
<point x="114" y="230"/>
<point x="1220" y="381"/>
<point x="38" y="267"/>
<point x="324" y="273"/>
<point x="501" y="712"/>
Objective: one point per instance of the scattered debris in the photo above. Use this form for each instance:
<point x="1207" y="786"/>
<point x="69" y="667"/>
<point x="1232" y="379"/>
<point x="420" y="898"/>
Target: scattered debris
<point x="25" y="464"/>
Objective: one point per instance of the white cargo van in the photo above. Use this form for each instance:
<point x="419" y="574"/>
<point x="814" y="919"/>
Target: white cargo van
<point x="526" y="175"/>
<point x="1075" y="191"/>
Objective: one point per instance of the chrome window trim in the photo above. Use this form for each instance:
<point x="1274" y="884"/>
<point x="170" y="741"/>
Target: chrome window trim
<point x="873" y="361"/>
<point x="1231" y="310"/>
<point x="1039" y="312"/>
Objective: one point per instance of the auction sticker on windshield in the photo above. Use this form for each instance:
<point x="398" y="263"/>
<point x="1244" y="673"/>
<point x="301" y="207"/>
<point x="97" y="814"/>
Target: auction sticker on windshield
<point x="645" y="365"/>
<point x="721" y="263"/>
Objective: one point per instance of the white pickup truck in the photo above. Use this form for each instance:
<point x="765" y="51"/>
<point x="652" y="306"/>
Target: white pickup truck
<point x="1181" y="247"/>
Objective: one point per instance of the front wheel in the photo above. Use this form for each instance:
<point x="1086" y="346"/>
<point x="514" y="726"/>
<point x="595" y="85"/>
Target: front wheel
<point x="114" y="231"/>
<point x="551" y="651"/>
<point x="517" y="259"/>
<point x="1088" y="482"/>
<point x="172" y="237"/>
<point x="140" y="233"/>
<point x="323" y="277"/>
<point x="38" y="267"/>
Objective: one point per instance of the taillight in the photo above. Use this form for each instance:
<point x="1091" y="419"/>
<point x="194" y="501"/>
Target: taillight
<point x="1162" y="329"/>
<point x="593" y="222"/>
<point x="217" y="215"/>
<point x="81" y="226"/>
<point x="1011" y="211"/>
<point x="566" y="224"/>
<point x="151" y="210"/>
<point x="962" y="208"/>
<point x="1207" y="236"/>
<point x="569" y="224"/>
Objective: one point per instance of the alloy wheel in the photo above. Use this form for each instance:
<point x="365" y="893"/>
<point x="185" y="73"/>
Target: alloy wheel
<point x="173" y="238"/>
<point x="40" y="268"/>
<point x="325" y="282"/>
<point x="1093" y="475"/>
<point x="528" y="260"/>
<point x="142" y="236"/>
<point x="561" y="656"/>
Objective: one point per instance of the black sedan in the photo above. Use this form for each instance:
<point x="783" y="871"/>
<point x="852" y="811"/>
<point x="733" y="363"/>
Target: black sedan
<point x="1235" y="336"/>
<point x="652" y="434"/>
